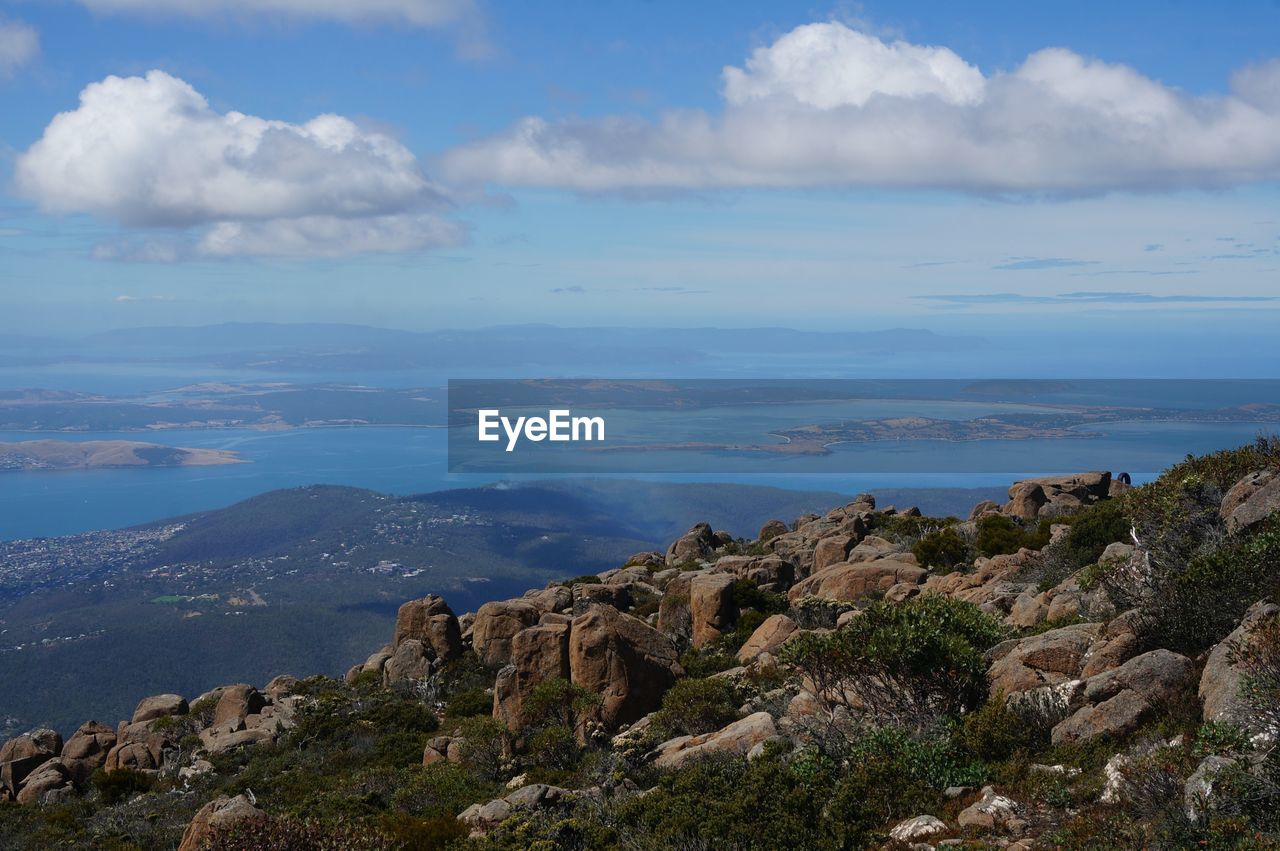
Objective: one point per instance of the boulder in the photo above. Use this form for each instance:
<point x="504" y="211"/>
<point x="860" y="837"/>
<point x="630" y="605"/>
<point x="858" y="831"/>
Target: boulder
<point x="1220" y="683"/>
<point x="622" y="659"/>
<point x="375" y="664"/>
<point x="984" y="509"/>
<point x="765" y="571"/>
<point x="586" y="593"/>
<point x="1251" y="501"/>
<point x="739" y="738"/>
<point x="218" y="815"/>
<point x="482" y="818"/>
<point x="86" y="750"/>
<point x="1197" y="792"/>
<point x="853" y="581"/>
<point x="711" y="608"/>
<point x="496" y="624"/>
<point x="990" y="812"/>
<point x="674" y="618"/>
<point x="554" y="598"/>
<point x="917" y="829"/>
<point x="237" y="702"/>
<point x="217" y="740"/>
<point x="1050" y="658"/>
<point x="1117" y="701"/>
<point x="280" y="687"/>
<point x="832" y="550"/>
<point x="771" y="530"/>
<point x="411" y="660"/>
<point x="538" y="653"/>
<point x="22" y="755"/>
<point x="767" y="638"/>
<point x="1050" y="496"/>
<point x="696" y="545"/>
<point x="159" y="706"/>
<point x="431" y="621"/>
<point x="50" y="782"/>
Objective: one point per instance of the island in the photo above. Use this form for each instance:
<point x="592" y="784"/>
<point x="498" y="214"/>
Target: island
<point x="79" y="455"/>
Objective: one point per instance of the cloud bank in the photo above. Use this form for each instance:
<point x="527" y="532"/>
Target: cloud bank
<point x="19" y="44"/>
<point x="150" y="152"/>
<point x="421" y="13"/>
<point x="826" y="105"/>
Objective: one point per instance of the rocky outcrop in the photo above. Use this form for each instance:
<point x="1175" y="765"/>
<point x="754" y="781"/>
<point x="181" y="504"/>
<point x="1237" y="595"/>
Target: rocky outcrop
<point x="538" y="653"/>
<point x="771" y="530"/>
<point x="1115" y="702"/>
<point x="22" y="755"/>
<point x="693" y="546"/>
<point x="991" y="812"/>
<point x="481" y="818"/>
<point x="49" y="783"/>
<point x="1052" y="496"/>
<point x="86" y="751"/>
<point x="160" y="705"/>
<point x="1049" y="659"/>
<point x="218" y="815"/>
<point x="741" y="738"/>
<point x="622" y="659"/>
<point x="1220" y="683"/>
<point x="711" y="608"/>
<point x="1251" y="501"/>
<point x="430" y="621"/>
<point x="853" y="581"/>
<point x="496" y="624"/>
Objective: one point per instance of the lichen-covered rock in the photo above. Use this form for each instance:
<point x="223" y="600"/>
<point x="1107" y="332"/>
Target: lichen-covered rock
<point x="696" y="545"/>
<point x="917" y="829"/>
<point x="1251" y="500"/>
<point x="22" y="755"/>
<point x="1051" y="658"/>
<point x="1117" y="701"/>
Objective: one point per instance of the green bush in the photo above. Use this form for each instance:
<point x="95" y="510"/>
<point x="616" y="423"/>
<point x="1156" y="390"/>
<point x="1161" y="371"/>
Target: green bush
<point x="901" y="663"/>
<point x="704" y="662"/>
<point x="998" y="730"/>
<point x="559" y="702"/>
<point x="695" y="706"/>
<point x="554" y="748"/>
<point x="1001" y="535"/>
<point x="473" y="701"/>
<point x="121" y="784"/>
<point x="942" y="549"/>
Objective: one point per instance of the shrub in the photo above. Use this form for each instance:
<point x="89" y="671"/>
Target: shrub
<point x="486" y="743"/>
<point x="1000" y="729"/>
<point x="904" y="663"/>
<point x="942" y="549"/>
<point x="116" y="786"/>
<point x="1001" y="535"/>
<point x="559" y="702"/>
<point x="747" y="595"/>
<point x="554" y="748"/>
<point x="473" y="701"/>
<point x="695" y="706"/>
<point x="704" y="662"/>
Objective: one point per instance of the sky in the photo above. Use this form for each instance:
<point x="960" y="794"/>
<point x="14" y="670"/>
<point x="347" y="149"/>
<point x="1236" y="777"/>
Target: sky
<point x="1005" y="167"/>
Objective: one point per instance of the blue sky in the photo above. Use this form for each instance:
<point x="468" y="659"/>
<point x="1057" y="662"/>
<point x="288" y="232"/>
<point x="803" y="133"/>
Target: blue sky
<point x="595" y="163"/>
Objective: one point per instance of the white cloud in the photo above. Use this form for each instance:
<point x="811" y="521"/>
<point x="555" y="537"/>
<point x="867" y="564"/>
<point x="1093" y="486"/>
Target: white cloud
<point x="151" y="152"/>
<point x="422" y="13"/>
<point x="19" y="44"/>
<point x="825" y="105"/>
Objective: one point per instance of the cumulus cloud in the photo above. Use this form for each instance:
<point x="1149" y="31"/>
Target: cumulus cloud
<point x="19" y="44"/>
<point x="149" y="151"/>
<point x="422" y="13"/>
<point x="827" y="105"/>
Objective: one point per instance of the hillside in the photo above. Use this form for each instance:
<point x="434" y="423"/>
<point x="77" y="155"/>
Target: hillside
<point x="304" y="579"/>
<point x="1086" y="665"/>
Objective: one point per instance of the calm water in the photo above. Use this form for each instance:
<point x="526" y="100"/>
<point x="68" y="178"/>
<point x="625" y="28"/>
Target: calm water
<point x="413" y="460"/>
